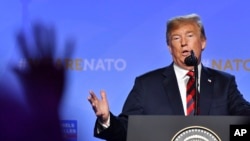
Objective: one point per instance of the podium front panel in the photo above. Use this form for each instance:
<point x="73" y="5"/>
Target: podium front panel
<point x="176" y="128"/>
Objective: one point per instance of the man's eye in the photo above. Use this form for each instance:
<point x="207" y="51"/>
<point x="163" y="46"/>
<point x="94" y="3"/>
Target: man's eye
<point x="175" y="38"/>
<point x="190" y="35"/>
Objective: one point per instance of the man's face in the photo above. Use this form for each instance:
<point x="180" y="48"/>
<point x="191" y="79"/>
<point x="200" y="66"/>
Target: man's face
<point x="182" y="40"/>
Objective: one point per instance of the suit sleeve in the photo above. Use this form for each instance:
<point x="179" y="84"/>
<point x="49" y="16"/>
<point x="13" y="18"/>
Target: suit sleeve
<point x="115" y="132"/>
<point x="237" y="104"/>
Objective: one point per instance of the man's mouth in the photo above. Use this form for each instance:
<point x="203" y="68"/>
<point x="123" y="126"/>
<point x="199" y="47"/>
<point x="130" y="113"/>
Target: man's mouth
<point x="185" y="53"/>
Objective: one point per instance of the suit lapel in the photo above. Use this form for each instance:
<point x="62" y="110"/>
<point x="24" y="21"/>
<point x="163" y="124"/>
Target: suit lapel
<point x="206" y="91"/>
<point x="172" y="90"/>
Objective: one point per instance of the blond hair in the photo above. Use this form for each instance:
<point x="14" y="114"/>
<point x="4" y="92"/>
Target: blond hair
<point x="176" y="22"/>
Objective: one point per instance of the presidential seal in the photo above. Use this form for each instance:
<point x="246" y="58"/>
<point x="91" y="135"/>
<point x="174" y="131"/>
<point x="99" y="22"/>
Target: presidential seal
<point x="196" y="133"/>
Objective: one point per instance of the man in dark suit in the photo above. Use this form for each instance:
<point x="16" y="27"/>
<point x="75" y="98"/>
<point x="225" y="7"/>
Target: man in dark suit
<point x="163" y="91"/>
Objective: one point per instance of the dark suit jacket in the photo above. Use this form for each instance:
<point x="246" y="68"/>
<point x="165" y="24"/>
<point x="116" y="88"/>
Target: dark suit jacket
<point x="157" y="93"/>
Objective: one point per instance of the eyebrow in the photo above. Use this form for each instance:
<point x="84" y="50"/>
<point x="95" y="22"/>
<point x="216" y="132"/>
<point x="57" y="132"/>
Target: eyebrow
<point x="179" y="34"/>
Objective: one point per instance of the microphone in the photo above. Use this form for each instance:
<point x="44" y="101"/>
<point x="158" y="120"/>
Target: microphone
<point x="191" y="60"/>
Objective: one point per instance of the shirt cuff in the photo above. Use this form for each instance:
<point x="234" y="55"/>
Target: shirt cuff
<point x="103" y="126"/>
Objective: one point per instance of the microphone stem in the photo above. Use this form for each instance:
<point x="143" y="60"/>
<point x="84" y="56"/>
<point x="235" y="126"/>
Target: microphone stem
<point x="196" y="112"/>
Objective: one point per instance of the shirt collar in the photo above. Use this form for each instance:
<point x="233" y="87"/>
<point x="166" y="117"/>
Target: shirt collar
<point x="181" y="73"/>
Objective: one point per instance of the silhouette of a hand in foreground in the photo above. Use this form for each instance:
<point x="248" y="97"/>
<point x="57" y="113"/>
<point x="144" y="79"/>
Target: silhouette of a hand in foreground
<point x="43" y="81"/>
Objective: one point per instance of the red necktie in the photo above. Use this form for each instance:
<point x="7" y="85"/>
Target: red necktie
<point x="190" y="94"/>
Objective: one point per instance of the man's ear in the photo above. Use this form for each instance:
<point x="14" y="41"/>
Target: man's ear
<point x="169" y="48"/>
<point x="203" y="45"/>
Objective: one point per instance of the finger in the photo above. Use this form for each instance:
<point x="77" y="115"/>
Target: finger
<point x="91" y="100"/>
<point x="50" y="50"/>
<point x="39" y="37"/>
<point x="93" y="95"/>
<point x="23" y="46"/>
<point x="94" y="108"/>
<point x="93" y="104"/>
<point x="103" y="95"/>
<point x="69" y="48"/>
<point x="44" y="39"/>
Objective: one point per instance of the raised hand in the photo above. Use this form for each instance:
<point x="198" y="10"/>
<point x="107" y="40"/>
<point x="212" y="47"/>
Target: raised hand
<point x="43" y="80"/>
<point x="100" y="106"/>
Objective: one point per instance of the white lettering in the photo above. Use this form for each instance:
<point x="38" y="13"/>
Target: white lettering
<point x="100" y="65"/>
<point x="107" y="64"/>
<point x="239" y="132"/>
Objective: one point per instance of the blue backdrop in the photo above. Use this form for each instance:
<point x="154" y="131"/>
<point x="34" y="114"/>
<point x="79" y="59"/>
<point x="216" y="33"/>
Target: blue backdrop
<point x="119" y="40"/>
